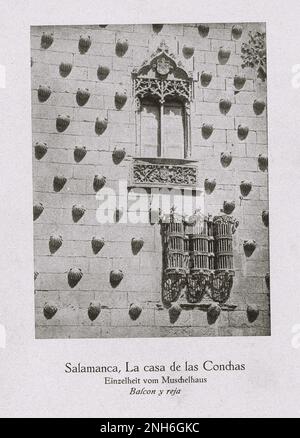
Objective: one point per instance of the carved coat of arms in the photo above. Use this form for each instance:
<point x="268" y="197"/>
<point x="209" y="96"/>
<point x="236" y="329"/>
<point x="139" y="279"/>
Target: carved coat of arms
<point x="163" y="66"/>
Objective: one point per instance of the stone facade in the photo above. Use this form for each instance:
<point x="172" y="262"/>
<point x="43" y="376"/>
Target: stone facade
<point x="84" y="124"/>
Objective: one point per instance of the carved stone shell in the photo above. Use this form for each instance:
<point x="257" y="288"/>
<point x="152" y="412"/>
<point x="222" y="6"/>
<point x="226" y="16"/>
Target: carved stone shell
<point x="84" y="44"/>
<point x="209" y="185"/>
<point x="134" y="311"/>
<point x="267" y="280"/>
<point x="46" y="40"/>
<point x="100" y="125"/>
<point x="58" y="183"/>
<point x="226" y="158"/>
<point x="49" y="310"/>
<point x="224" y="106"/>
<point x="242" y="132"/>
<point x="205" y="78"/>
<point x="249" y="247"/>
<point x="213" y="313"/>
<point x="118" y="214"/>
<point x="74" y="276"/>
<point x="102" y="72"/>
<point x="263" y="162"/>
<point x="188" y="51"/>
<point x="120" y="98"/>
<point x="97" y="244"/>
<point x="207" y="130"/>
<point x="94" y="310"/>
<point x="55" y="242"/>
<point x="65" y="69"/>
<point x="239" y="81"/>
<point x="82" y="96"/>
<point x="265" y="217"/>
<point x="77" y="212"/>
<point x="174" y="312"/>
<point x="116" y="276"/>
<point x="118" y="155"/>
<point x="121" y="46"/>
<point x="224" y="55"/>
<point x="37" y="210"/>
<point x="252" y="312"/>
<point x="137" y="244"/>
<point x="79" y="153"/>
<point x="228" y="207"/>
<point x="62" y="122"/>
<point x="40" y="150"/>
<point x="99" y="182"/>
<point x="44" y="92"/>
<point x="157" y="27"/>
<point x="236" y="31"/>
<point x="245" y="188"/>
<point x="203" y="30"/>
<point x="259" y="106"/>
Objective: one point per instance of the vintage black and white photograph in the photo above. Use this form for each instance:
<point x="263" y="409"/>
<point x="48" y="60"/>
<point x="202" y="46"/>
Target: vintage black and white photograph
<point x="150" y="180"/>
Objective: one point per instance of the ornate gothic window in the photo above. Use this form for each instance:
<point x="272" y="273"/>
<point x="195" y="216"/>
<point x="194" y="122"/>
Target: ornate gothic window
<point x="163" y="92"/>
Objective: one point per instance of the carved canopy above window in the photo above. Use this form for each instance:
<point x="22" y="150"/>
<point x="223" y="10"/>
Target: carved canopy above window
<point x="162" y="75"/>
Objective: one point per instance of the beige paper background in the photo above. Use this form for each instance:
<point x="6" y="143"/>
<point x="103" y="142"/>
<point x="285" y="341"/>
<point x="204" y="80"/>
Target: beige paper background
<point x="32" y="378"/>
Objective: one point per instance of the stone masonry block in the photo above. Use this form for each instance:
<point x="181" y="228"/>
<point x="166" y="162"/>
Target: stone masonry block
<point x="52" y="169"/>
<point x="109" y="300"/>
<point x="60" y="265"/>
<point x="242" y="110"/>
<point x="256" y="268"/>
<point x="210" y="95"/>
<point x="76" y="298"/>
<point x="261" y="137"/>
<point x="220" y="121"/>
<point x="227" y="70"/>
<point x="218" y="35"/>
<point x="245" y="163"/>
<point x="245" y="97"/>
<point x="64" y="45"/>
<point x="44" y="296"/>
<point x="127" y="264"/>
<point x="207" y="108"/>
<point x="216" y="44"/>
<point x="50" y="57"/>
